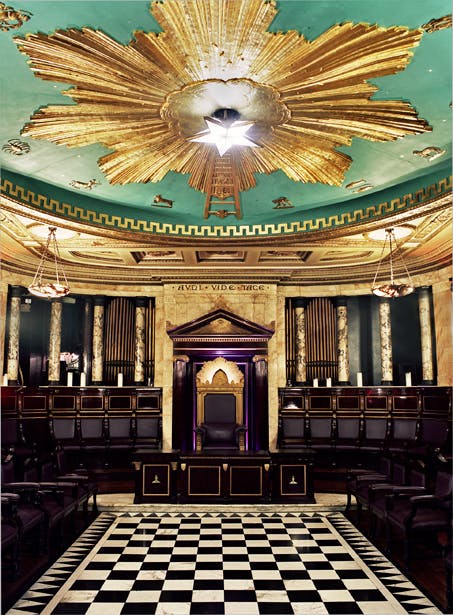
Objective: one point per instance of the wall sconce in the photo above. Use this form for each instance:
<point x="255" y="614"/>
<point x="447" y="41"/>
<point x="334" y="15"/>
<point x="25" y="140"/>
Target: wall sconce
<point x="391" y="289"/>
<point x="58" y="287"/>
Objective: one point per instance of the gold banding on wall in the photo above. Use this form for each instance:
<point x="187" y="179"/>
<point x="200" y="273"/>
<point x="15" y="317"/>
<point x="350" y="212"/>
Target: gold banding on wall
<point x="316" y="346"/>
<point x="119" y="348"/>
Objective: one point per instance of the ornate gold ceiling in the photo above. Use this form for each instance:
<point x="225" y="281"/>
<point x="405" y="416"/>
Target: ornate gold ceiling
<point x="145" y="99"/>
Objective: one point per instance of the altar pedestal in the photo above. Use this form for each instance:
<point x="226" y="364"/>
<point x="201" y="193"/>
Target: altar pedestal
<point x="225" y="477"/>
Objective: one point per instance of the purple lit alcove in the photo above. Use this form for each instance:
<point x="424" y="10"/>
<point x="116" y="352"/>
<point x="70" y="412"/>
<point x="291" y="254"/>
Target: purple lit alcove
<point x="220" y="334"/>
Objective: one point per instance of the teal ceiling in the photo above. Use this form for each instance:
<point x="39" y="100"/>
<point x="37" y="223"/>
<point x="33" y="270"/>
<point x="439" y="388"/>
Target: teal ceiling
<point x="391" y="168"/>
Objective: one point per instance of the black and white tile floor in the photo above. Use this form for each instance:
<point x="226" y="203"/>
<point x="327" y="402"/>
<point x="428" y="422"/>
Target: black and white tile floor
<point x="232" y="563"/>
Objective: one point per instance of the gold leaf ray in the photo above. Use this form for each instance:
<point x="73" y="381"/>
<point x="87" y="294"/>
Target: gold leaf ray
<point x="204" y="30"/>
<point x="305" y="159"/>
<point x="91" y="58"/>
<point x="360" y="50"/>
<point x="120" y="91"/>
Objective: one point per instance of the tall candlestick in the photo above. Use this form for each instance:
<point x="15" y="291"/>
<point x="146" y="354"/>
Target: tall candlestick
<point x="5" y="380"/>
<point x="315" y="382"/>
<point x="359" y="379"/>
<point x="408" y="379"/>
<point x="70" y="377"/>
<point x="120" y="379"/>
<point x="83" y="379"/>
<point x="328" y="382"/>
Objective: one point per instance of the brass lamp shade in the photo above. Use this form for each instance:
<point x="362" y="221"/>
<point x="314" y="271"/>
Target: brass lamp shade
<point x="391" y="289"/>
<point x="58" y="286"/>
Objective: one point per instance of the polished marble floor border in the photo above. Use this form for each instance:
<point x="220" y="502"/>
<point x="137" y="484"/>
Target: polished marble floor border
<point x="43" y="594"/>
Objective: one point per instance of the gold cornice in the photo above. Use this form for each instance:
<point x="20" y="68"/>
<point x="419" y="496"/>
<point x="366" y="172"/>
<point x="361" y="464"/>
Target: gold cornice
<point x="121" y="91"/>
<point x="427" y="200"/>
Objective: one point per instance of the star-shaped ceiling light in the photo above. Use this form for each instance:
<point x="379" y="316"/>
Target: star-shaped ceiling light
<point x="148" y="99"/>
<point x="225" y="131"/>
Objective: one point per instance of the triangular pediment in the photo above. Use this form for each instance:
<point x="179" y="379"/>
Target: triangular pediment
<point x="220" y="324"/>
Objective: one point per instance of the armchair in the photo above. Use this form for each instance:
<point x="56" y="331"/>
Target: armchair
<point x="420" y="514"/>
<point x="219" y="429"/>
<point x="220" y="385"/>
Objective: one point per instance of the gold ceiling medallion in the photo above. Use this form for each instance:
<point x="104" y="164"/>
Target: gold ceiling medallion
<point x="145" y="100"/>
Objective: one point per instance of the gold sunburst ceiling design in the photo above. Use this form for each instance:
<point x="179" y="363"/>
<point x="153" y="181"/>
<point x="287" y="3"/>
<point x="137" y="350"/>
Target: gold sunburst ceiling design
<point x="145" y="100"/>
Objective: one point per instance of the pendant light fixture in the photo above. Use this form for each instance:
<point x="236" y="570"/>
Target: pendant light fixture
<point x="391" y="288"/>
<point x="57" y="286"/>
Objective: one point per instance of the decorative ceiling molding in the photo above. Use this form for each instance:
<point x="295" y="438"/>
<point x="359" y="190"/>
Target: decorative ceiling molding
<point x="96" y="262"/>
<point x="413" y="201"/>
<point x="306" y="98"/>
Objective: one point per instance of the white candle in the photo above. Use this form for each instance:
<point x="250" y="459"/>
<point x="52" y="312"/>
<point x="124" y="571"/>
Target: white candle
<point x="359" y="379"/>
<point x="408" y="379"/>
<point x="120" y="379"/>
<point x="70" y="377"/>
<point x="5" y="380"/>
<point x="328" y="382"/>
<point x="315" y="382"/>
<point x="83" y="379"/>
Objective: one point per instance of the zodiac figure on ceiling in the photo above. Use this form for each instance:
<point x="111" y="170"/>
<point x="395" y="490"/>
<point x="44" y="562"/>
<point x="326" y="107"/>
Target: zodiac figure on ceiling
<point x="11" y="18"/>
<point x="16" y="147"/>
<point x="438" y="24"/>
<point x="221" y="213"/>
<point x="282" y="203"/>
<point x="89" y="185"/>
<point x="430" y="153"/>
<point x="159" y="201"/>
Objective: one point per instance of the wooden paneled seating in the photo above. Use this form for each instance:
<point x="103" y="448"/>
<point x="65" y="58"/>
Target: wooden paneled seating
<point x="94" y="427"/>
<point x="354" y="427"/>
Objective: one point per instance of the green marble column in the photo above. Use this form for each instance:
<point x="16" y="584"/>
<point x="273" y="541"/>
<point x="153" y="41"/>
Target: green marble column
<point x="97" y="364"/>
<point x="342" y="341"/>
<point x="301" y="349"/>
<point x="140" y="337"/>
<point x="53" y="366"/>
<point x="424" y="309"/>
<point x="12" y="365"/>
<point x="385" y="329"/>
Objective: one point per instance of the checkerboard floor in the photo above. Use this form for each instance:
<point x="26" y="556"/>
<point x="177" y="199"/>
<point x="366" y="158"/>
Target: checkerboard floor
<point x="229" y="563"/>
